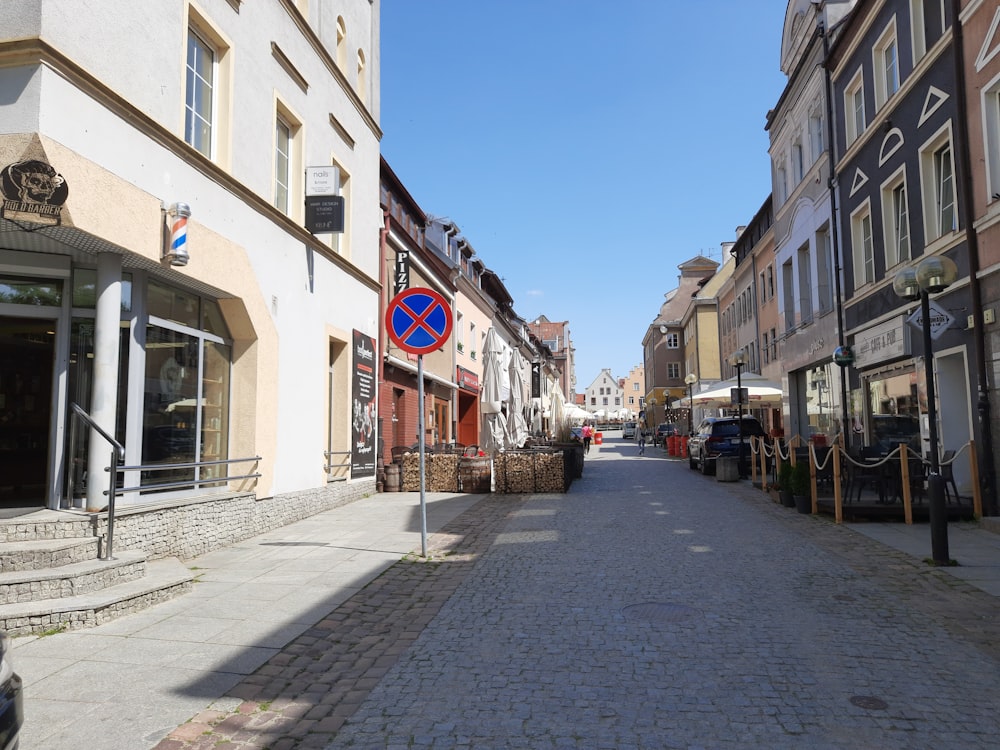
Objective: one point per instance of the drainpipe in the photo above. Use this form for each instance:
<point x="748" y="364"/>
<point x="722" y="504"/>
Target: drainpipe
<point x="986" y="457"/>
<point x="834" y="231"/>
<point x="383" y="244"/>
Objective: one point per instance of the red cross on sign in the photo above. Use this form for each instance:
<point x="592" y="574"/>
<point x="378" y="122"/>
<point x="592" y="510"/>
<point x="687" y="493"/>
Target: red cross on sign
<point x="418" y="320"/>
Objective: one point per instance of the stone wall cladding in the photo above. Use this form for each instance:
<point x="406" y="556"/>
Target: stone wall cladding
<point x="191" y="528"/>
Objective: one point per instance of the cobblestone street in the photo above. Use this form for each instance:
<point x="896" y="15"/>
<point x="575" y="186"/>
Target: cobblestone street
<point x="650" y="607"/>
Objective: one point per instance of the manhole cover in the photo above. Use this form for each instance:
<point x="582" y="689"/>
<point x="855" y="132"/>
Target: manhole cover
<point x="658" y="612"/>
<point x="869" y="702"/>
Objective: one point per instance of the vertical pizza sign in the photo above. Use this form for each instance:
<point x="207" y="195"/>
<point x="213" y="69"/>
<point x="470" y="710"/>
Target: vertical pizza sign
<point x="363" y="408"/>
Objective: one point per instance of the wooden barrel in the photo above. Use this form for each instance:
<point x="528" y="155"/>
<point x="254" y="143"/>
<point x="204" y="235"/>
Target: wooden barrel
<point x="474" y="475"/>
<point x="393" y="478"/>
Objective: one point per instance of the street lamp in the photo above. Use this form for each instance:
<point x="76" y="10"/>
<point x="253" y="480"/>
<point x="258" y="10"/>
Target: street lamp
<point x="690" y="379"/>
<point x="738" y="360"/>
<point x="931" y="275"/>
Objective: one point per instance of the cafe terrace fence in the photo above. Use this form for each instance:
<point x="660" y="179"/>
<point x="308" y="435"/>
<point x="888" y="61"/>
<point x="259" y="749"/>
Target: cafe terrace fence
<point x="770" y="451"/>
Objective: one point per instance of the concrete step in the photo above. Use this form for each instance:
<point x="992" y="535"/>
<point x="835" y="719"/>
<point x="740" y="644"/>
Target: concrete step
<point x="72" y="579"/>
<point x="164" y="579"/>
<point x="46" y="524"/>
<point x="46" y="553"/>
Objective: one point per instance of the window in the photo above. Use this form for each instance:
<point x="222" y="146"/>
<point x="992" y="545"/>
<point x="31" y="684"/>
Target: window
<point x="207" y="84"/>
<point x="199" y="101"/>
<point x="885" y="63"/>
<point x="854" y="106"/>
<point x="991" y="136"/>
<point x="862" y="246"/>
<point x="824" y="271"/>
<point x="805" y="283"/>
<point x="673" y="370"/>
<point x="766" y="352"/>
<point x="770" y="281"/>
<point x="788" y="291"/>
<point x="937" y="178"/>
<point x="798" y="163"/>
<point x="816" y="136"/>
<point x="282" y="163"/>
<point x="673" y="341"/>
<point x="896" y="220"/>
<point x="780" y="183"/>
<point x="774" y="344"/>
<point x="944" y="186"/>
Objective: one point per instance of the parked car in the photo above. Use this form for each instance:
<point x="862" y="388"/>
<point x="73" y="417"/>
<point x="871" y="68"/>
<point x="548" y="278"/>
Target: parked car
<point x="663" y="431"/>
<point x="11" y="705"/>
<point x="720" y="436"/>
<point x="628" y="430"/>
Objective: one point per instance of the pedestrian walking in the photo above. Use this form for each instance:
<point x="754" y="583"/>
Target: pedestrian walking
<point x="587" y="433"/>
<point x="642" y="442"/>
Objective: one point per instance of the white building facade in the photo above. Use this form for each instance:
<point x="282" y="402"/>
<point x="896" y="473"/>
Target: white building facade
<point x="230" y="345"/>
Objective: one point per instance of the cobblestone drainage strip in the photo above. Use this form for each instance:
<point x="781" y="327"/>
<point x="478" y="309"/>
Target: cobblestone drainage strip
<point x="869" y="702"/>
<point x="658" y="612"/>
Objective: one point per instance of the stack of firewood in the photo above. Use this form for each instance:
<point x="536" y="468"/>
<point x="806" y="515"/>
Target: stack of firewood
<point x="529" y="471"/>
<point x="440" y="470"/>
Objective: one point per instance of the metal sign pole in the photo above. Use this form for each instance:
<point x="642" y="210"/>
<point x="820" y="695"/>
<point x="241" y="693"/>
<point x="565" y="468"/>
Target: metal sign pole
<point x="420" y="437"/>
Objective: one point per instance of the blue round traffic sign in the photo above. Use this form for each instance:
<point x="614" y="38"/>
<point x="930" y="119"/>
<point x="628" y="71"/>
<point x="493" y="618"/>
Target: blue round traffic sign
<point x="418" y="320"/>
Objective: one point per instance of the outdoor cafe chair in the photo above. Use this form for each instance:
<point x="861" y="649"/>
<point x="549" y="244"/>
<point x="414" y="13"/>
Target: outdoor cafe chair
<point x="948" y="475"/>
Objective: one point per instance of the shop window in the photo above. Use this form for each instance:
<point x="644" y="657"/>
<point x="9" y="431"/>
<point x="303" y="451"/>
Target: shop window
<point x="85" y="289"/>
<point x="22" y="291"/>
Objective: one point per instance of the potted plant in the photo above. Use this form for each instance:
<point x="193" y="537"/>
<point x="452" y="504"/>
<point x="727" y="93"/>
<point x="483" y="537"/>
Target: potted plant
<point x="802" y="487"/>
<point x="785" y="485"/>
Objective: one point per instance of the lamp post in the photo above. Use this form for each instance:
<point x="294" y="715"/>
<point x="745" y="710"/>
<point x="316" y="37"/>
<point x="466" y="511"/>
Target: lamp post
<point x="690" y="379"/>
<point x="738" y="360"/>
<point x="931" y="275"/>
<point x="651" y="410"/>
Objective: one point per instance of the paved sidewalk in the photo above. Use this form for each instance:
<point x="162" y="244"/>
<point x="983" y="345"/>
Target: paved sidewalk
<point x="301" y="637"/>
<point x="127" y="684"/>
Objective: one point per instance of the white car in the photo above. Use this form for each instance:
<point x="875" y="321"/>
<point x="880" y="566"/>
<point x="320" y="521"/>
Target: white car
<point x="628" y="430"/>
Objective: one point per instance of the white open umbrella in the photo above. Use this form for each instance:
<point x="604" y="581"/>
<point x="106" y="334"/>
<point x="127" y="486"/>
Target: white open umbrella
<point x="492" y="397"/>
<point x="760" y="392"/>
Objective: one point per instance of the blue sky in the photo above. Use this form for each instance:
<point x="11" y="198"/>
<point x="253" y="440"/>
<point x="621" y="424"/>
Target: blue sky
<point x="584" y="148"/>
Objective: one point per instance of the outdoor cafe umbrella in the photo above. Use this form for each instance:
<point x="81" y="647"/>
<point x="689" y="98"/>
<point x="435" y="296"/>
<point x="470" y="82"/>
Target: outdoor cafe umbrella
<point x="760" y="392"/>
<point x="517" y="426"/>
<point x="492" y="398"/>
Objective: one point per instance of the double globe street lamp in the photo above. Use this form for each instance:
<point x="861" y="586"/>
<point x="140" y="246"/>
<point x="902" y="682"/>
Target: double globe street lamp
<point x="931" y="275"/>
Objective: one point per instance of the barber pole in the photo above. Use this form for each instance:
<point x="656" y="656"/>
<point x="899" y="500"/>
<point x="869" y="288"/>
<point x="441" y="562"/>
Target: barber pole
<point x="177" y="253"/>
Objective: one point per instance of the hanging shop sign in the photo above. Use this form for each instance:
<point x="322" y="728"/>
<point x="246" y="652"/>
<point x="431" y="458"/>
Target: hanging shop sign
<point x="33" y="189"/>
<point x="467" y="380"/>
<point x="401" y="272"/>
<point x="363" y="409"/>
<point x="940" y="319"/>
<point x="536" y="379"/>
<point x="881" y="343"/>
<point x="324" y="208"/>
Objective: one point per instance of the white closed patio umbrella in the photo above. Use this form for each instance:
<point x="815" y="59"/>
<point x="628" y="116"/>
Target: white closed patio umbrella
<point x="492" y="397"/>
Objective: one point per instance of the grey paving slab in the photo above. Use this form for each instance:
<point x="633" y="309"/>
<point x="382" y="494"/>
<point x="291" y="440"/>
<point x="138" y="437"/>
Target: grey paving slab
<point x="124" y="685"/>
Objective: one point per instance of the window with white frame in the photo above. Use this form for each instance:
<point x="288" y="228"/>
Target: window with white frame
<point x="804" y="263"/>
<point x="798" y="162"/>
<point x="917" y="30"/>
<point x="862" y="246"/>
<point x="854" y="106"/>
<point x="885" y="63"/>
<point x="937" y="182"/>
<point x="824" y="270"/>
<point x="673" y="370"/>
<point x="896" y="220"/>
<point x="991" y="137"/>
<point x="816" y="135"/>
<point x="780" y="182"/>
<point x="788" y="292"/>
<point x="282" y="163"/>
<point x="200" y="96"/>
<point x="673" y="341"/>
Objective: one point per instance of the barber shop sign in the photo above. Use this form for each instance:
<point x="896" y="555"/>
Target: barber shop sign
<point x="33" y="188"/>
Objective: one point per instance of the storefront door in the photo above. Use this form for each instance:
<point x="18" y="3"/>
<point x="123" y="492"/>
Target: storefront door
<point x="28" y="347"/>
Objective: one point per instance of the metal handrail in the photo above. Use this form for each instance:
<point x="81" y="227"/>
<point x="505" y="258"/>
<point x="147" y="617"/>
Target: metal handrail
<point x="329" y="466"/>
<point x="188" y="482"/>
<point x="118" y="454"/>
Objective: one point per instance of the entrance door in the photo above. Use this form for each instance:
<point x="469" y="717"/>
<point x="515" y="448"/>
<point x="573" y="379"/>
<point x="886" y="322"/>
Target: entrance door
<point x="28" y="347"/>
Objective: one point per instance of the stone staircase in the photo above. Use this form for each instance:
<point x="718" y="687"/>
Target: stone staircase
<point x="52" y="577"/>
